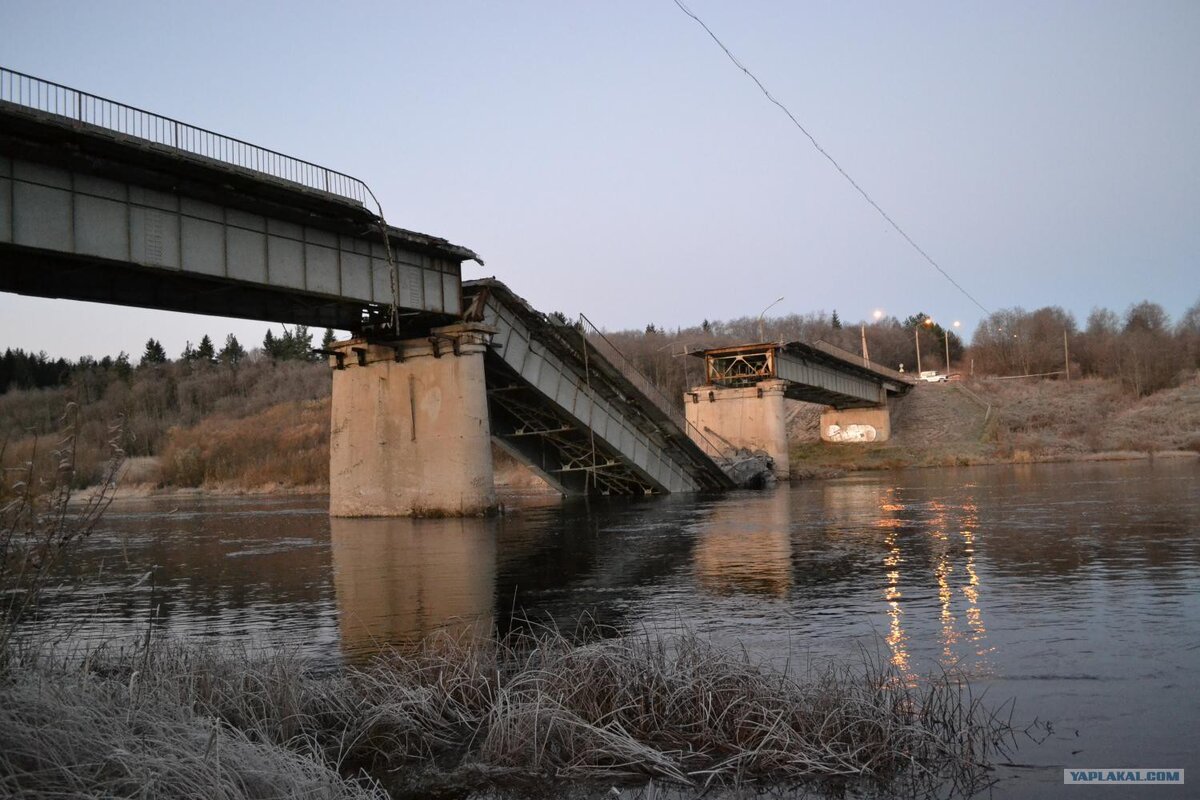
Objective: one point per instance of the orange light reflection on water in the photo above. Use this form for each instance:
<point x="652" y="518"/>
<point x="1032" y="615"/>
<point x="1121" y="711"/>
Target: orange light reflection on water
<point x="952" y="538"/>
<point x="897" y="640"/>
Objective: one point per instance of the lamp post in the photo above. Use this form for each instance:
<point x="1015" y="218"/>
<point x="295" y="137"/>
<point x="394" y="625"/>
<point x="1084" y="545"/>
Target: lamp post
<point x="927" y="322"/>
<point x="878" y="314"/>
<point x="761" y="335"/>
<point x="946" y="339"/>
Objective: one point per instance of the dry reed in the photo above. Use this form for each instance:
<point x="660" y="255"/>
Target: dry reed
<point x="533" y="710"/>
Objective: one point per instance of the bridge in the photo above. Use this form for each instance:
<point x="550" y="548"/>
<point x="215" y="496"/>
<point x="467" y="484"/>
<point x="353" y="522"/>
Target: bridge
<point x="741" y="402"/>
<point x="103" y="202"/>
<point x="561" y="401"/>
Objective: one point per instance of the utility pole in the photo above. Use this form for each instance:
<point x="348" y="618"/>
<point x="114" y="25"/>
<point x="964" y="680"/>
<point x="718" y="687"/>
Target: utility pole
<point x="866" y="355"/>
<point x="1066" y="356"/>
<point x="917" y="341"/>
<point x="946" y="340"/>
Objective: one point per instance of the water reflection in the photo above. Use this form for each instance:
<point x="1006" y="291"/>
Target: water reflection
<point x="1074" y="588"/>
<point x="971" y="589"/>
<point x="747" y="550"/>
<point x="397" y="580"/>
<point x="890" y="523"/>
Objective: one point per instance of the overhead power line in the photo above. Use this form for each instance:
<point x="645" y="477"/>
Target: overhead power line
<point x="828" y="157"/>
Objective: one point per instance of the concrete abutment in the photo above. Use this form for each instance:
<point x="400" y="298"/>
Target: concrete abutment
<point x="743" y="418"/>
<point x="856" y="425"/>
<point x="410" y="434"/>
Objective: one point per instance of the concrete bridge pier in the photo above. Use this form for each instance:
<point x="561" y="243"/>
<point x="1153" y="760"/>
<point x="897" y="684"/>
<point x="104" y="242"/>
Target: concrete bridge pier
<point x="410" y="435"/>
<point x="748" y="417"/>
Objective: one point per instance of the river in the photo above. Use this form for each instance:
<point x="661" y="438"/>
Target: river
<point x="1072" y="589"/>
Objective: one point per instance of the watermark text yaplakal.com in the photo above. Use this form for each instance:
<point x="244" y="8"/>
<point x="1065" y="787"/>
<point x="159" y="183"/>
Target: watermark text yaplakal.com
<point x="1093" y="776"/>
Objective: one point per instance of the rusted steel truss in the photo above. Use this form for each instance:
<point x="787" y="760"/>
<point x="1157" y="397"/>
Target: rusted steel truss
<point x="740" y="366"/>
<point x="560" y="450"/>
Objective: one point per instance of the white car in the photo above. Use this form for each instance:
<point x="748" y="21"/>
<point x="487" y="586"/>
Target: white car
<point x="932" y="376"/>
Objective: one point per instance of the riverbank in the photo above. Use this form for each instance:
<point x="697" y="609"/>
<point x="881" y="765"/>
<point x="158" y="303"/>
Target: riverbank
<point x="233" y="434"/>
<point x="1010" y="422"/>
<point x="534" y="714"/>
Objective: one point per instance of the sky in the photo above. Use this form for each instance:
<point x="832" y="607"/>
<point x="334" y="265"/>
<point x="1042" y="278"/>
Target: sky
<point x="607" y="158"/>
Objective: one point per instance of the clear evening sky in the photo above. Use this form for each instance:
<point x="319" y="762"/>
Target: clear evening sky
<point x="606" y="157"/>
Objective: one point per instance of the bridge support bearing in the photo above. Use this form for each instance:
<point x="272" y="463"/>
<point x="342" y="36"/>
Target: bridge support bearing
<point x="856" y="425"/>
<point x="745" y="418"/>
<point x="410" y="435"/>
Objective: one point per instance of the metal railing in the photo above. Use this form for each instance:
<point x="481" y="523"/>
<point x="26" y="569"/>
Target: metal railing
<point x="72" y="104"/>
<point x="600" y="343"/>
<point x="855" y="358"/>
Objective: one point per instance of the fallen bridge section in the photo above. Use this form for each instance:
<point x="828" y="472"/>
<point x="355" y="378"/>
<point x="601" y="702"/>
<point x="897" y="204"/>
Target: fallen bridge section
<point x="562" y="405"/>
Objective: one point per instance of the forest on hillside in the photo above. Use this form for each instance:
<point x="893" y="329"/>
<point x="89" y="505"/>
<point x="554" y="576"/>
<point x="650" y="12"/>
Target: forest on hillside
<point x="221" y="415"/>
<point x="1141" y="348"/>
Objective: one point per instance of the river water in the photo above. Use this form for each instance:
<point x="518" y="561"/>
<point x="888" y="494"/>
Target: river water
<point x="1072" y="589"/>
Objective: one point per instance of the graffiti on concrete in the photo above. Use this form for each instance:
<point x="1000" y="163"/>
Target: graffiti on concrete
<point x="850" y="433"/>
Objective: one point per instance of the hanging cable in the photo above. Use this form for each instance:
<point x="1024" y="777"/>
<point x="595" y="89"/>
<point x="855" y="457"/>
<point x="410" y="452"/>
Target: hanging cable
<point x="393" y="271"/>
<point x="828" y="157"/>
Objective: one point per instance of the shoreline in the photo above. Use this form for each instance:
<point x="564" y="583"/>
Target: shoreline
<point x="801" y="471"/>
<point x="806" y="469"/>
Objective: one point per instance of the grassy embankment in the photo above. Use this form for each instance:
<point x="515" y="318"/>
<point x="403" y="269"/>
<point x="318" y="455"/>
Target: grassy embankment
<point x="1002" y="421"/>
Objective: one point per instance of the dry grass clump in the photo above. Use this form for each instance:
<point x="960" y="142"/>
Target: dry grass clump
<point x="81" y="733"/>
<point x="533" y="710"/>
<point x="683" y="710"/>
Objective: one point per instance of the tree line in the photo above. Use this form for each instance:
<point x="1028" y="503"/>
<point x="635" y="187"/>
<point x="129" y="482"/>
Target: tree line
<point x="26" y="370"/>
<point x="1142" y="348"/>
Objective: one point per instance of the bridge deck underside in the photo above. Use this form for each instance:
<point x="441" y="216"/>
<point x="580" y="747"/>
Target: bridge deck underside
<point x="85" y="215"/>
<point x="816" y="382"/>
<point x="574" y="421"/>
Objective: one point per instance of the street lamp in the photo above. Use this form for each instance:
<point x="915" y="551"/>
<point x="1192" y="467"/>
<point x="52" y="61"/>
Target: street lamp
<point x="761" y="336"/>
<point x="928" y="323"/>
<point x="946" y="339"/>
<point x="878" y="314"/>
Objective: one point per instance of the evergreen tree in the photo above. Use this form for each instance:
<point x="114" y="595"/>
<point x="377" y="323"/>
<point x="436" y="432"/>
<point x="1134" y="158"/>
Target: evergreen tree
<point x="836" y="321"/>
<point x="328" y="339"/>
<point x="189" y="353"/>
<point x="206" y="353"/>
<point x="8" y="368"/>
<point x="154" y="354"/>
<point x="297" y="343"/>
<point x="232" y="352"/>
<point x="122" y="366"/>
<point x="294" y="345"/>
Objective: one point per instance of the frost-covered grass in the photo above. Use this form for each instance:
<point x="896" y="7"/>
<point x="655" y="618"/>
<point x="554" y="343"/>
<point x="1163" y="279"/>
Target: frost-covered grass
<point x="518" y="715"/>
